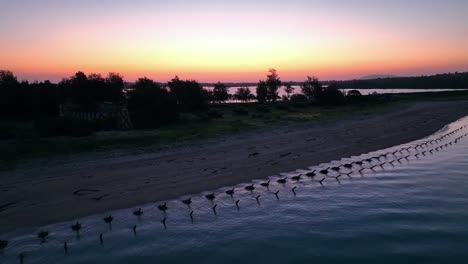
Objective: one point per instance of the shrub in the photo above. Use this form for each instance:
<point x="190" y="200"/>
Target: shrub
<point x="354" y="93"/>
<point x="331" y="96"/>
<point x="298" y="98"/>
<point x="354" y="96"/>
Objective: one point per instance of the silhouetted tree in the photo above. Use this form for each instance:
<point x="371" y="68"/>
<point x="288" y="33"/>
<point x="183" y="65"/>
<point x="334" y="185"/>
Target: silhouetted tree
<point x="115" y="86"/>
<point x="78" y="91"/>
<point x="311" y="88"/>
<point x="97" y="87"/>
<point x="45" y="99"/>
<point x="189" y="95"/>
<point x="273" y="83"/>
<point x="8" y="80"/>
<point x="9" y="89"/>
<point x="209" y="95"/>
<point x="220" y="93"/>
<point x="150" y="105"/>
<point x="243" y="94"/>
<point x="24" y="100"/>
<point x="288" y="89"/>
<point x="90" y="91"/>
<point x="262" y="92"/>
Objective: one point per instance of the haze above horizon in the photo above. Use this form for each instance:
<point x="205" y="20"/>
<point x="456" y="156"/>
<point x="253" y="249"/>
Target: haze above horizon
<point x="234" y="41"/>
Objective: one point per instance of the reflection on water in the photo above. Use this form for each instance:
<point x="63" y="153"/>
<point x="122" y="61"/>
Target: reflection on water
<point x="408" y="200"/>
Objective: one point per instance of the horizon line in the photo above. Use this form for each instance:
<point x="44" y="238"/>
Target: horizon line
<point x="362" y="78"/>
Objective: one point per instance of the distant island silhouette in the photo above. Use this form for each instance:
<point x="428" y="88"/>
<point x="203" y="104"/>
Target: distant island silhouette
<point x="377" y="76"/>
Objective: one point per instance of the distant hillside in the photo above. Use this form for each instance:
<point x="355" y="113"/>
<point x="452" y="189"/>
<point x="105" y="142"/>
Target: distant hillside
<point x="377" y="76"/>
<point x="383" y="81"/>
<point x="447" y="80"/>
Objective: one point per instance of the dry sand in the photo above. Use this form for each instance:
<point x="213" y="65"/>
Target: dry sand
<point x="47" y="193"/>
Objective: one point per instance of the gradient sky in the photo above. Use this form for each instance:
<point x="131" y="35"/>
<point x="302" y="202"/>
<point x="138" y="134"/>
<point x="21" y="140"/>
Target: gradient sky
<point x="211" y="40"/>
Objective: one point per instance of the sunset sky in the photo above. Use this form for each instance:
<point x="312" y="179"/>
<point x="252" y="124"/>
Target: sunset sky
<point x="211" y="40"/>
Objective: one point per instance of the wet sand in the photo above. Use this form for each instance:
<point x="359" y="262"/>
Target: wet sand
<point x="60" y="190"/>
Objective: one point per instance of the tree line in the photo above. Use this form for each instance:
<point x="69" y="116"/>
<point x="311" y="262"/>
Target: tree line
<point x="448" y="80"/>
<point x="151" y="104"/>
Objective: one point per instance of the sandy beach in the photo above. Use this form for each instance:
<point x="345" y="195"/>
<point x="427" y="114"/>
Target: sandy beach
<point x="67" y="189"/>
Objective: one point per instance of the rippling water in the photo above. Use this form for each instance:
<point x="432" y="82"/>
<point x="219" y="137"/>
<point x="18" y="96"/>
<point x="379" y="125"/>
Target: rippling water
<point x="414" y="207"/>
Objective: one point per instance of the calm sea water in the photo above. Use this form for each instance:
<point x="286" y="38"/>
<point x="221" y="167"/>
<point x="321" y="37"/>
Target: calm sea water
<point x="414" y="210"/>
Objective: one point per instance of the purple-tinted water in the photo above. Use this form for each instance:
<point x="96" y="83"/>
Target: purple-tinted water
<point x="415" y="205"/>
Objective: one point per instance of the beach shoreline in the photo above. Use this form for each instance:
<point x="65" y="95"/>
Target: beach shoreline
<point x="55" y="192"/>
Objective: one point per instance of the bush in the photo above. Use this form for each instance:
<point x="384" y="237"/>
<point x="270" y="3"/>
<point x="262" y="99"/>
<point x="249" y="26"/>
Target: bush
<point x="298" y="98"/>
<point x="354" y="96"/>
<point x="354" y="93"/>
<point x="331" y="96"/>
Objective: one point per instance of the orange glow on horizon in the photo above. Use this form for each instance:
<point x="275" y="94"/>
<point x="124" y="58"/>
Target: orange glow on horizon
<point x="226" y="46"/>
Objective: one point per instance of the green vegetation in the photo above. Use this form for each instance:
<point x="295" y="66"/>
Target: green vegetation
<point x="198" y="126"/>
<point x="191" y="127"/>
<point x="33" y="127"/>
